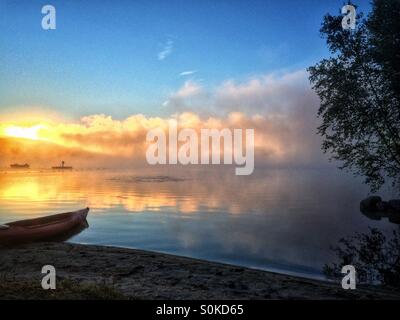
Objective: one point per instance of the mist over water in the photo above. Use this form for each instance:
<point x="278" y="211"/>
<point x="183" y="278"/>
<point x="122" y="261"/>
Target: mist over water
<point x="283" y="220"/>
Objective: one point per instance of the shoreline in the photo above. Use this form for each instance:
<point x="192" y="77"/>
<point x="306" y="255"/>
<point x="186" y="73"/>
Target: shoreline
<point x="138" y="274"/>
<point x="286" y="272"/>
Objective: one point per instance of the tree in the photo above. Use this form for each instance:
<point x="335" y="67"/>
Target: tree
<point x="359" y="90"/>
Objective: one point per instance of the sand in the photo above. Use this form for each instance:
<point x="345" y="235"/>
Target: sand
<point x="136" y="274"/>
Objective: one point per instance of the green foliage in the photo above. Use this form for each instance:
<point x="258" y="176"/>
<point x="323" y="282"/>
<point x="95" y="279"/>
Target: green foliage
<point x="359" y="89"/>
<point x="375" y="257"/>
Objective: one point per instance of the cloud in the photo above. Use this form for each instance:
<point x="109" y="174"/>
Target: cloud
<point x="271" y="93"/>
<point x="280" y="108"/>
<point x="167" y="50"/>
<point x="189" y="90"/>
<point x="268" y="94"/>
<point x="284" y="104"/>
<point x="187" y="73"/>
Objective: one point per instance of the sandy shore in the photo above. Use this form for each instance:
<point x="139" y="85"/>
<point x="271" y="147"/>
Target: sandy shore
<point x="104" y="272"/>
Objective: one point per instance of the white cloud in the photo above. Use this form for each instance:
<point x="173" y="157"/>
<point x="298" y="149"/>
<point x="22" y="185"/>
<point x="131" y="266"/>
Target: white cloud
<point x="187" y="73"/>
<point x="189" y="89"/>
<point x="281" y="107"/>
<point x="270" y="93"/>
<point x="167" y="50"/>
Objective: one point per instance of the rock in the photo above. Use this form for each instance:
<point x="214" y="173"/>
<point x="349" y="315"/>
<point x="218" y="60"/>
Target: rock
<point x="370" y="204"/>
<point x="394" y="205"/>
<point x="395" y="219"/>
<point x="372" y="215"/>
<point x="383" y="206"/>
<point x="394" y="211"/>
<point x="374" y="208"/>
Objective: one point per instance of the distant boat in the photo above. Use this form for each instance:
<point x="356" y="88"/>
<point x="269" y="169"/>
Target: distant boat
<point x="62" y="167"/>
<point x="43" y="229"/>
<point x="19" y="166"/>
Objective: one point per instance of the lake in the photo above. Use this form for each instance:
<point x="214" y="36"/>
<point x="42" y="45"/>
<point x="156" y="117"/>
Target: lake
<point x="278" y="220"/>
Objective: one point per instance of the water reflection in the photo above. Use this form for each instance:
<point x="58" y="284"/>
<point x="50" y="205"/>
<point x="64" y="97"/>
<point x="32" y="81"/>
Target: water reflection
<point x="375" y="208"/>
<point x="275" y="219"/>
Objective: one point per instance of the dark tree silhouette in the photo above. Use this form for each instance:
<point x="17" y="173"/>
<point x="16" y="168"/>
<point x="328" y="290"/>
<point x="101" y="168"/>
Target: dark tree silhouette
<point x="359" y="89"/>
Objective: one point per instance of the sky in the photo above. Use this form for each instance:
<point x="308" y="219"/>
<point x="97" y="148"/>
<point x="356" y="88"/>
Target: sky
<point x="114" y="61"/>
<point x="123" y="57"/>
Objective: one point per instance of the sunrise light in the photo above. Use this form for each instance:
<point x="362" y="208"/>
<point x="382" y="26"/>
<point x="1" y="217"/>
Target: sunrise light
<point x="31" y="133"/>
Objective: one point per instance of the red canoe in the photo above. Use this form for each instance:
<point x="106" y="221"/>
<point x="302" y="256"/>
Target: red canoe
<point x="41" y="229"/>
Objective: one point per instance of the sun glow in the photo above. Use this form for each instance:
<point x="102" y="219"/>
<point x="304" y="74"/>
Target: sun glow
<point x="31" y="133"/>
<point x="124" y="140"/>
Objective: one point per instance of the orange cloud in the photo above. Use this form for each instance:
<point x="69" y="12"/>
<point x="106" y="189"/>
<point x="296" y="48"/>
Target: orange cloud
<point x="280" y="109"/>
<point x="99" y="137"/>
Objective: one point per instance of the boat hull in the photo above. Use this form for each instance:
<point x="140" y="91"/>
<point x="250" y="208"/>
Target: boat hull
<point x="43" y="229"/>
<point x="19" y="166"/>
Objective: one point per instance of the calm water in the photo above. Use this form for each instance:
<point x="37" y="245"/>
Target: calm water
<point x="281" y="220"/>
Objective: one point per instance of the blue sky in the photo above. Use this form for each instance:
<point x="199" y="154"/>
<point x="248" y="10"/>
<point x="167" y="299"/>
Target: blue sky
<point x="104" y="56"/>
